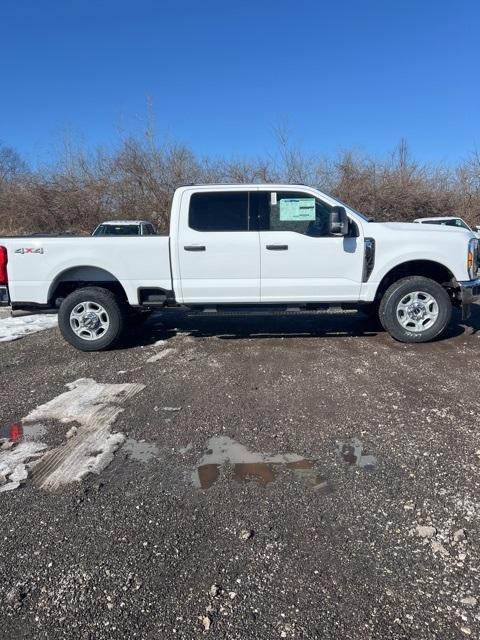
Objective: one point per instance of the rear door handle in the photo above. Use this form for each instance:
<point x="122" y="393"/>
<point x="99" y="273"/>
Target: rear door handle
<point x="277" y="247"/>
<point x="195" y="247"/>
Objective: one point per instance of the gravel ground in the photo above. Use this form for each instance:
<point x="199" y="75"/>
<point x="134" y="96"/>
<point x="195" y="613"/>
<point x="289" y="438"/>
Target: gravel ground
<point x="281" y="478"/>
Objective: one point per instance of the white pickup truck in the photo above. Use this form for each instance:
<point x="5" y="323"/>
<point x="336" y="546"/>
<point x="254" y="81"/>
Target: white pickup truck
<point x="244" y="249"/>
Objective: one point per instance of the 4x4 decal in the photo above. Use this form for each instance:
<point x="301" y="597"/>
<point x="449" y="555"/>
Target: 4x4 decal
<point x="29" y="250"/>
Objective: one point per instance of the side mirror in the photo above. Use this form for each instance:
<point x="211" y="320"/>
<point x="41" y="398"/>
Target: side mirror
<point x="339" y="221"/>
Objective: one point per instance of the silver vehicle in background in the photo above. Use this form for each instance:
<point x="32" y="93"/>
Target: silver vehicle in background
<point x="125" y="228"/>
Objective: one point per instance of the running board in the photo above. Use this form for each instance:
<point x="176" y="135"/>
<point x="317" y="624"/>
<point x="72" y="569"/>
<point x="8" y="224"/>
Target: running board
<point x="267" y="311"/>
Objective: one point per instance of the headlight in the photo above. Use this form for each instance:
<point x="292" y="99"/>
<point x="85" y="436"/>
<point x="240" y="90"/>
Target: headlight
<point x="472" y="258"/>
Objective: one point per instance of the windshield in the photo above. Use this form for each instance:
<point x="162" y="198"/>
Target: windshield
<point x="118" y="230"/>
<point x="449" y="222"/>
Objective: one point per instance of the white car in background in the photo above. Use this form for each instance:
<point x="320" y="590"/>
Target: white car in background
<point x="449" y="221"/>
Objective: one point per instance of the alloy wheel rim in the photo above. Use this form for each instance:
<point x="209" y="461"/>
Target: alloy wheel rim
<point x="417" y="311"/>
<point x="89" y="320"/>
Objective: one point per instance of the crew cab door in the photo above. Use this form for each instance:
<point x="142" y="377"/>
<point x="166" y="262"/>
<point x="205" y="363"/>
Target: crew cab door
<point x="218" y="248"/>
<point x="300" y="260"/>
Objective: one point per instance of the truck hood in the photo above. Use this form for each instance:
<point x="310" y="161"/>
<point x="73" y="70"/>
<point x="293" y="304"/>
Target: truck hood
<point x="421" y="228"/>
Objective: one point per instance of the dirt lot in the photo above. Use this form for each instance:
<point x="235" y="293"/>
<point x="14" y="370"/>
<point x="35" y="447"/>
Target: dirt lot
<point x="277" y="478"/>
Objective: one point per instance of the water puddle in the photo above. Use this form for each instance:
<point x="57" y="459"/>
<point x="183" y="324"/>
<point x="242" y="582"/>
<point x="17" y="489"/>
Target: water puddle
<point x="352" y="453"/>
<point x="249" y="465"/>
<point x="139" y="450"/>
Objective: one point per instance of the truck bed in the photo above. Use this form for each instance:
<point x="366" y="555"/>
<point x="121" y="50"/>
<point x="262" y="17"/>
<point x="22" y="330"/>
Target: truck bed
<point x="37" y="264"/>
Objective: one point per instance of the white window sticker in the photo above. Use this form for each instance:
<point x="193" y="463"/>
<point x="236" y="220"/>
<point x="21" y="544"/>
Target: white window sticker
<point x="297" y="209"/>
<point x="273" y="198"/>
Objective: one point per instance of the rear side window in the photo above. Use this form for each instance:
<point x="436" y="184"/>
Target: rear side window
<point x="222" y="211"/>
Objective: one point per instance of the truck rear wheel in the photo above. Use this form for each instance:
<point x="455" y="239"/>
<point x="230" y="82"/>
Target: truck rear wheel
<point x="91" y="319"/>
<point x="415" y="309"/>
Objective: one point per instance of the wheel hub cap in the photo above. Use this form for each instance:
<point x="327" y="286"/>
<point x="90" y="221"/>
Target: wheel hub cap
<point x="90" y="320"/>
<point x="417" y="311"/>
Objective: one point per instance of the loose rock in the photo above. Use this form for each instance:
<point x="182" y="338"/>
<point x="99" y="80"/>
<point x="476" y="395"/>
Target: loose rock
<point x="437" y="547"/>
<point x="246" y="534"/>
<point x="425" y="531"/>
<point x="459" y="535"/>
<point x="206" y="622"/>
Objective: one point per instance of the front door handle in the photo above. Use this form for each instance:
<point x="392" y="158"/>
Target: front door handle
<point x="277" y="247"/>
<point x="195" y="247"/>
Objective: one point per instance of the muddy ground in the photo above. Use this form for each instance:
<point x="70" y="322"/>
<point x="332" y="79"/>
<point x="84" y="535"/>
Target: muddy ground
<point x="280" y="478"/>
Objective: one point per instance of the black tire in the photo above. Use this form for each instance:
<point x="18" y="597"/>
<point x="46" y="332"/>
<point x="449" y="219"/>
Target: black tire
<point x="113" y="309"/>
<point x="396" y="297"/>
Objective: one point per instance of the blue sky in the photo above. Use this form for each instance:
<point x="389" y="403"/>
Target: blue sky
<point x="221" y="76"/>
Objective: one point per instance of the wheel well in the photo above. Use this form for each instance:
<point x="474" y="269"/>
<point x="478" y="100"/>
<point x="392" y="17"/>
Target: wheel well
<point x="427" y="268"/>
<point x="78" y="277"/>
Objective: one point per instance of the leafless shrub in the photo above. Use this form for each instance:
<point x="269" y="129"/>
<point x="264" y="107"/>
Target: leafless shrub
<point x="139" y="177"/>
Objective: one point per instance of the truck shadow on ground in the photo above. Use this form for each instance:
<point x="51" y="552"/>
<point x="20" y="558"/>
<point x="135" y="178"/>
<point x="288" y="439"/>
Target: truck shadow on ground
<point x="167" y="324"/>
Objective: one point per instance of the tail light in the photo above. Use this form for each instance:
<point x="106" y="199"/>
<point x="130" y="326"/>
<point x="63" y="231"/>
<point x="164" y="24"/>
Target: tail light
<point x="3" y="265"/>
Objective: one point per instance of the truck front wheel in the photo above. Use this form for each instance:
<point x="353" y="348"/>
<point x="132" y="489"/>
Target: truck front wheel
<point x="91" y="319"/>
<point x="415" y="309"/>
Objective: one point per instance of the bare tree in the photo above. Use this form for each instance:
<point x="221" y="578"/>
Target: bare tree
<point x="11" y="164"/>
<point x="139" y="177"/>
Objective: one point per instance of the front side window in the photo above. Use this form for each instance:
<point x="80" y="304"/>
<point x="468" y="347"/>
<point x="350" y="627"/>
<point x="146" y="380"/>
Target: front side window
<point x="221" y="211"/>
<point x="294" y="211"/>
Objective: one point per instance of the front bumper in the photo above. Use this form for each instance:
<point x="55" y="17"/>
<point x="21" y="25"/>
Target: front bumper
<point x="469" y="291"/>
<point x="4" y="298"/>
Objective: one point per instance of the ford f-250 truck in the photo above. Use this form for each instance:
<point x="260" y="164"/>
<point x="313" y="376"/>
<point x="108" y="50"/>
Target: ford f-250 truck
<point x="241" y="249"/>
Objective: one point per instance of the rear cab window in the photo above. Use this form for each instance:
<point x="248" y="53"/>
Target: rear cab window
<point x="219" y="211"/>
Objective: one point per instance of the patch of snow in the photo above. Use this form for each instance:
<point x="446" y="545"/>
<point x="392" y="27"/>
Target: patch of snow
<point x="13" y="463"/>
<point x="94" y="407"/>
<point x="16" y="328"/>
<point x="86" y="402"/>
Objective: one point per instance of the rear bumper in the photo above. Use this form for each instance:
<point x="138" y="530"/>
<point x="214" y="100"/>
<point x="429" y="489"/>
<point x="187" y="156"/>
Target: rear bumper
<point x="469" y="292"/>
<point x="4" y="297"/>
